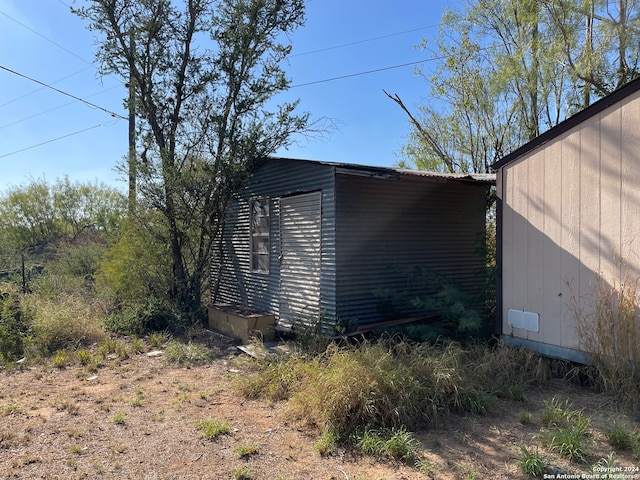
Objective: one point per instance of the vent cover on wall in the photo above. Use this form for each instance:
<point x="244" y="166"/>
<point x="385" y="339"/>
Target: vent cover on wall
<point x="525" y="320"/>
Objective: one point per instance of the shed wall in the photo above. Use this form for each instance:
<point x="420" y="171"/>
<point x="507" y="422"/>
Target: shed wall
<point x="570" y="211"/>
<point x="276" y="179"/>
<point x="389" y="227"/>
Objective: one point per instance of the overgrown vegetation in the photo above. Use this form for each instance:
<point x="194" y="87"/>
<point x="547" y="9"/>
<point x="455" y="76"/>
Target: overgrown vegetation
<point x="453" y="311"/>
<point x="609" y="329"/>
<point x="71" y="273"/>
<point x="371" y="393"/>
<point x="203" y="81"/>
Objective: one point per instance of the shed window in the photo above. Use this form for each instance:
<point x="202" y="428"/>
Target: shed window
<point x="260" y="226"/>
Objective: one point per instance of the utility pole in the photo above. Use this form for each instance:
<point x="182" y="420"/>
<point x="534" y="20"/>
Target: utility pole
<point x="132" y="124"/>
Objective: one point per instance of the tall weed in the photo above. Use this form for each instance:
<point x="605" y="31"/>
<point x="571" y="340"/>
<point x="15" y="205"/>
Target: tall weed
<point x="505" y="370"/>
<point x="380" y="386"/>
<point x="66" y="321"/>
<point x="388" y="384"/>
<point x="609" y="330"/>
<point x="277" y="378"/>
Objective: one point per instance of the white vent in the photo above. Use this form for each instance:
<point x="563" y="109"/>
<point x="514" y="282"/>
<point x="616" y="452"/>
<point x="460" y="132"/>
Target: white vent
<point x="525" y="320"/>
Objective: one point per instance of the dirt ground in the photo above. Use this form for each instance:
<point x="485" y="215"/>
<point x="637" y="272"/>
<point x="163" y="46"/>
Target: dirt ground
<point x="136" y="419"/>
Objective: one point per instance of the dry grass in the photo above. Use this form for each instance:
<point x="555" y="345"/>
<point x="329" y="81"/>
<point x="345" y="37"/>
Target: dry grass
<point x="609" y="331"/>
<point x="82" y="425"/>
<point x="62" y="322"/>
<point x="393" y="385"/>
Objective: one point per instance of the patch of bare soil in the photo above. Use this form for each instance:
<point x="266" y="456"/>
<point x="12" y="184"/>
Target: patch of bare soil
<point x="136" y="419"/>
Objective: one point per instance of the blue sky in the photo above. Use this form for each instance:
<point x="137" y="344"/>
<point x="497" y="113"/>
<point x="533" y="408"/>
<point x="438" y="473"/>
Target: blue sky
<point x="45" y="134"/>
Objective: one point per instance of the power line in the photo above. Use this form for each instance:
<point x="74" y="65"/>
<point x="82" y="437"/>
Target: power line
<point x="54" y="108"/>
<point x="113" y="114"/>
<point x="47" y="39"/>
<point x="357" y="42"/>
<point x="342" y="77"/>
<point x="91" y="64"/>
<point x="365" y="73"/>
<point x="42" y="88"/>
<point x="59" y="138"/>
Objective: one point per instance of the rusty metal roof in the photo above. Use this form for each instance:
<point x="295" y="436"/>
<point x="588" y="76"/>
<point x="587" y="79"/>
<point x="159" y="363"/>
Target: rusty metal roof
<point x="370" y="170"/>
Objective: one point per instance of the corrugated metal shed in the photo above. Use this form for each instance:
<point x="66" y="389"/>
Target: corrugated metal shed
<point x="340" y="232"/>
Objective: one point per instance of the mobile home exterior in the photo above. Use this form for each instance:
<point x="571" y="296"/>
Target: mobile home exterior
<point x="313" y="241"/>
<point x="568" y="218"/>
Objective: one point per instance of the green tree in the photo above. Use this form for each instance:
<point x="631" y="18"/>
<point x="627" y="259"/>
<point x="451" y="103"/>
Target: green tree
<point x="39" y="215"/>
<point x="137" y="267"/>
<point x="28" y="217"/>
<point x="204" y="74"/>
<point x="600" y="42"/>
<point x="511" y="70"/>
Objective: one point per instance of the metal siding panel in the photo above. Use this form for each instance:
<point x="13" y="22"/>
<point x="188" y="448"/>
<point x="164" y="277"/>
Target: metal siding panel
<point x="276" y="179"/>
<point x="387" y="228"/>
<point x="300" y="258"/>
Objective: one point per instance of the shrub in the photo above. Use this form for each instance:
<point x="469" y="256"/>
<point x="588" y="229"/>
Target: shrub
<point x="137" y="267"/>
<point x="458" y="313"/>
<point x="126" y="321"/>
<point x="13" y="325"/>
<point x="78" y="258"/>
<point x="151" y="315"/>
<point x="63" y="322"/>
